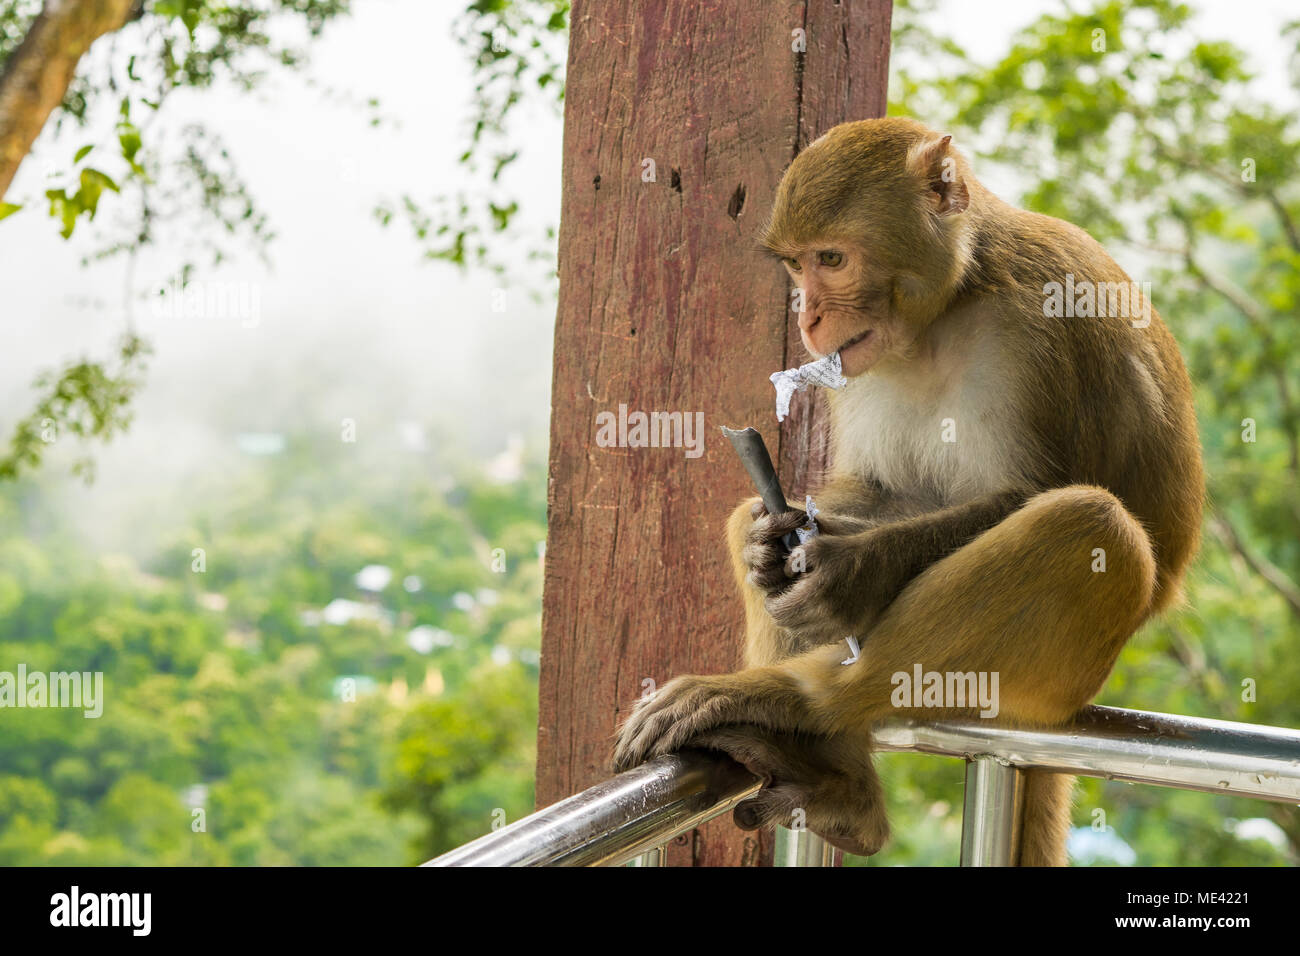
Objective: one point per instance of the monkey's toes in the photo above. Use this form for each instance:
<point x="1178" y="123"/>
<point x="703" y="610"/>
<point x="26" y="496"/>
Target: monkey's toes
<point x="853" y="843"/>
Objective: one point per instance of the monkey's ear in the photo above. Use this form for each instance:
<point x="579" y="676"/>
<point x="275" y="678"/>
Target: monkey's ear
<point x="935" y="163"/>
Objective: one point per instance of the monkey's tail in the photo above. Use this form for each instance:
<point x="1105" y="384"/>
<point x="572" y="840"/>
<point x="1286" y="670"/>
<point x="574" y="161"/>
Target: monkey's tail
<point x="1046" y="820"/>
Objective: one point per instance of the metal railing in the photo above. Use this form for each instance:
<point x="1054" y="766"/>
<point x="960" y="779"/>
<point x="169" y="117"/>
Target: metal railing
<point x="634" y="815"/>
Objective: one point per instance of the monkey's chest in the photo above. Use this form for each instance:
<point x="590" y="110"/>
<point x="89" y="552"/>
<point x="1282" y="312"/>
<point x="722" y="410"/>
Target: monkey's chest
<point x="955" y="438"/>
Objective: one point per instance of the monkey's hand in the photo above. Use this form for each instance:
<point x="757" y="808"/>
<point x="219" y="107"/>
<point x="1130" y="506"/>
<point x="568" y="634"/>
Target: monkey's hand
<point x="765" y="552"/>
<point x="765" y="555"/>
<point x="838" y="585"/>
<point x="686" y="707"/>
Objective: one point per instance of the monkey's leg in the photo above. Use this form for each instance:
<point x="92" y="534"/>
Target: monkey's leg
<point x="800" y="769"/>
<point x="765" y="642"/>
<point x="1021" y="601"/>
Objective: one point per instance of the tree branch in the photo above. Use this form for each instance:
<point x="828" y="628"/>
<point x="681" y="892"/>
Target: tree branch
<point x="37" y="76"/>
<point x="1241" y="188"/>
<point x="1258" y="320"/>
<point x="1271" y="573"/>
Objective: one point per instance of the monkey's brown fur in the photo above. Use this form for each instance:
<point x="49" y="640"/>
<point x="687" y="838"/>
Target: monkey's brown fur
<point x="1079" y="435"/>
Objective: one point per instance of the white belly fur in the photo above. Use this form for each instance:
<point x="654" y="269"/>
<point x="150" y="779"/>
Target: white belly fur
<point x="891" y="423"/>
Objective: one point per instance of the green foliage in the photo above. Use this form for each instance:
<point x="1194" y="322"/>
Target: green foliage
<point x="460" y="759"/>
<point x="221" y="687"/>
<point x="85" y="400"/>
<point x="66" y="208"/>
<point x="513" y="52"/>
<point x="173" y="45"/>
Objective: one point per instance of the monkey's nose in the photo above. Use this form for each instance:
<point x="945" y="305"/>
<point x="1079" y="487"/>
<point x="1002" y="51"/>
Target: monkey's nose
<point x="808" y="320"/>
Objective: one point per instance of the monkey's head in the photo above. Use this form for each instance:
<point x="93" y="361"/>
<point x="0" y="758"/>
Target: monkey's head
<point x="871" y="222"/>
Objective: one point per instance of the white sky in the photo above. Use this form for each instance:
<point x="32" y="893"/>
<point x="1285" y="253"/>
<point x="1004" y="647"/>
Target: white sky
<point x="349" y="303"/>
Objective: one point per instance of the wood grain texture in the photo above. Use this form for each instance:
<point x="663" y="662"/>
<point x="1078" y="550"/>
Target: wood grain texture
<point x="666" y="305"/>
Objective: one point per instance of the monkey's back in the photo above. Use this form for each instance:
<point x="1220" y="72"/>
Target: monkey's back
<point x="1108" y="395"/>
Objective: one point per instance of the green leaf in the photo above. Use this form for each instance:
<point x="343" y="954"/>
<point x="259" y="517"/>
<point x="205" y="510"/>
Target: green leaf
<point x="8" y="209"/>
<point x="93" y="184"/>
<point x="82" y="154"/>
<point x="129" y="138"/>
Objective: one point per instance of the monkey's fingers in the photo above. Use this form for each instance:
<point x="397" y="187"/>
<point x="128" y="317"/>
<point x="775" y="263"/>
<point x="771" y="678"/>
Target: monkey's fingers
<point x="766" y="565"/>
<point x="746" y="746"/>
<point x="667" y="721"/>
<point x="779" y="804"/>
<point x="798" y="561"/>
<point x="800" y="607"/>
<point x="778" y="526"/>
<point x="759" y="510"/>
<point x="759" y="752"/>
<point x="765" y="551"/>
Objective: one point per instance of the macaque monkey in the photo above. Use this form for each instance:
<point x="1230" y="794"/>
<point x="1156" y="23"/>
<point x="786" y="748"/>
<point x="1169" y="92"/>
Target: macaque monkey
<point x="1016" y="486"/>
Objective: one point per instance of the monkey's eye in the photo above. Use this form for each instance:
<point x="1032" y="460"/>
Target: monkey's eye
<point x="792" y="264"/>
<point x="830" y="259"/>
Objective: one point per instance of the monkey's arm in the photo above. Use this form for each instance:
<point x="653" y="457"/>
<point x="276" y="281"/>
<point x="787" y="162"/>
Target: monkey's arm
<point x="838" y="583"/>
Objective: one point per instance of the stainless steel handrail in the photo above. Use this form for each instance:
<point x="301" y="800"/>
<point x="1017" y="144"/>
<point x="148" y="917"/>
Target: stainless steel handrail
<point x="645" y="808"/>
<point x="617" y="820"/>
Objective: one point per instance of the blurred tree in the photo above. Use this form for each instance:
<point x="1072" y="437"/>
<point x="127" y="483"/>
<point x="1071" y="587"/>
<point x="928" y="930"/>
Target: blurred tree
<point x="465" y="763"/>
<point x="155" y="48"/>
<point x="517" y="48"/>
<point x="221" y="691"/>
<point x="158" y="47"/>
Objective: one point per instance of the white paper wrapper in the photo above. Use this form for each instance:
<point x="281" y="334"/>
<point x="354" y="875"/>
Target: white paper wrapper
<point x="826" y="372"/>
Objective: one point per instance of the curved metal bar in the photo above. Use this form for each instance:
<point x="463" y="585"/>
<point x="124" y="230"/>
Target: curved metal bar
<point x="616" y="820"/>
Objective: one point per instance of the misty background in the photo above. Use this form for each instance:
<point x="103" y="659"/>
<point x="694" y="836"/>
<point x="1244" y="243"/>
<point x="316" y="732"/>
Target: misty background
<point x="351" y="322"/>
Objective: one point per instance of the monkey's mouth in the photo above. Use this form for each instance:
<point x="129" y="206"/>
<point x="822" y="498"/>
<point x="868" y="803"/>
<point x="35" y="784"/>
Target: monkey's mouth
<point x="859" y="353"/>
<point x="855" y="340"/>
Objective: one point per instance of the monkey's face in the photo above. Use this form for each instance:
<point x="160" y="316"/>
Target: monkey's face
<point x="845" y="305"/>
<point x="869" y="222"/>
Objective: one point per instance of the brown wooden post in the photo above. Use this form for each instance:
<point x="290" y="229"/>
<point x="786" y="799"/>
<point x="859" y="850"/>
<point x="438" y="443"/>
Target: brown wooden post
<point x="665" y="305"/>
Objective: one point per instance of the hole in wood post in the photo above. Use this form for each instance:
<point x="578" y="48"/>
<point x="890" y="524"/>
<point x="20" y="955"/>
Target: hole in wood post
<point x="737" y="202"/>
<point x="596" y="182"/>
<point x="676" y="180"/>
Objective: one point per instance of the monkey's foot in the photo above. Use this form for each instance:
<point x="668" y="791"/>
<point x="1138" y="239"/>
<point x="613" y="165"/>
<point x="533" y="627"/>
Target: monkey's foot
<point x="670" y="718"/>
<point x="826" y="784"/>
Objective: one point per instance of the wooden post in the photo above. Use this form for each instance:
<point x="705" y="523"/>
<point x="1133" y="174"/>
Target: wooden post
<point x="680" y="117"/>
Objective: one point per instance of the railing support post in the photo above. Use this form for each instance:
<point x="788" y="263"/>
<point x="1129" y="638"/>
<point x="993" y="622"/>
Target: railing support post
<point x="990" y="825"/>
<point x="802" y="848"/>
<point x="655" y="857"/>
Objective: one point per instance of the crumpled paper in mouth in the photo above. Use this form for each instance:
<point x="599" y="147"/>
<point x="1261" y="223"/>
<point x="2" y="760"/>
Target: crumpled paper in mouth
<point x="826" y="372"/>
